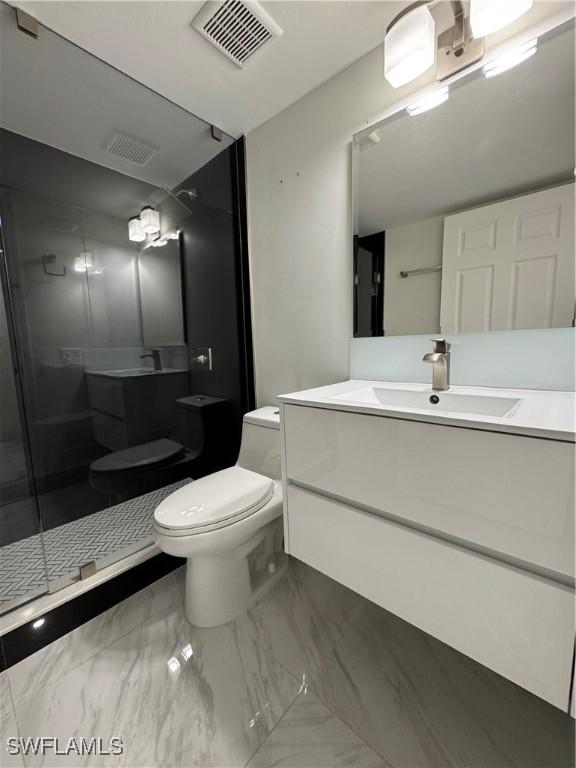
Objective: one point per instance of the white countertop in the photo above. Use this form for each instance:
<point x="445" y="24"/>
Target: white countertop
<point x="540" y="413"/>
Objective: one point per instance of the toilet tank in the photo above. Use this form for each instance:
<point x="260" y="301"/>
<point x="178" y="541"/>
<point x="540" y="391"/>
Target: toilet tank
<point x="260" y="446"/>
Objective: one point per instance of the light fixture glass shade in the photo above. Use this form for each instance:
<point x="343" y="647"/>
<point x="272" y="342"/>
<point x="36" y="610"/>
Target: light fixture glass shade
<point x="510" y="59"/>
<point x="150" y="220"/>
<point x="135" y="231"/>
<point x="409" y="46"/>
<point x="488" y="16"/>
<point x="431" y="100"/>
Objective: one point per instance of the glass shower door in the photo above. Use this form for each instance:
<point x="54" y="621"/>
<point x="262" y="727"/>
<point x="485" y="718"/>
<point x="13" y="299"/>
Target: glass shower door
<point x="23" y="572"/>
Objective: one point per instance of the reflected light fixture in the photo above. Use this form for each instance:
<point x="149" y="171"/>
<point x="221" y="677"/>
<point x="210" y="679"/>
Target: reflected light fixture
<point x="173" y="665"/>
<point x="488" y="16"/>
<point x="409" y="45"/>
<point x="510" y="59"/>
<point x="158" y="242"/>
<point x="83" y="263"/>
<point x="431" y="100"/>
<point x="150" y="220"/>
<point x="38" y="623"/>
<point x="135" y="231"/>
<point x="187" y="652"/>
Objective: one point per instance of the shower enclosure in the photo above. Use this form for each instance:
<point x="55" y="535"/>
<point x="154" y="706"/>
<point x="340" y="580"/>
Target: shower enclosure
<point x="100" y="333"/>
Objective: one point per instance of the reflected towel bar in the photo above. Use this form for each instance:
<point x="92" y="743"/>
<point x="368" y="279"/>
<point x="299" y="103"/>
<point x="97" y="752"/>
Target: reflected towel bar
<point x="421" y="271"/>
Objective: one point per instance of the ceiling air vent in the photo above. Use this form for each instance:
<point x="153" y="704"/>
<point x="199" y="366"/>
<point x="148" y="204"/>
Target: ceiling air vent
<point x="130" y="149"/>
<point x="238" y="29"/>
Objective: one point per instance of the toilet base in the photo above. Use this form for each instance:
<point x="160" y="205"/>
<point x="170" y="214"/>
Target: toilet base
<point x="219" y="588"/>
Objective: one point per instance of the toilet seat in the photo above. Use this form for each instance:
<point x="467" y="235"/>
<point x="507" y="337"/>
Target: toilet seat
<point x="213" y="502"/>
<point x="139" y="457"/>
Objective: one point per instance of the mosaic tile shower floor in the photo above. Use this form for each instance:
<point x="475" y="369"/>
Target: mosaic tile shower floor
<point x="58" y="553"/>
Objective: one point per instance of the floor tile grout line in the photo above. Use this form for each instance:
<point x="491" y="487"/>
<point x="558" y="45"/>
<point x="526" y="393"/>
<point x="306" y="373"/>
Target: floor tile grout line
<point x="307" y="685"/>
<point x="326" y="704"/>
<point x="254" y="637"/>
<point x="280" y="719"/>
<point x="337" y="644"/>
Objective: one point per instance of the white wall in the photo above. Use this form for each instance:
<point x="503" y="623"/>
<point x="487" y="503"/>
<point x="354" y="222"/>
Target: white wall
<point x="299" y="198"/>
<point x="300" y="219"/>
<point x="412" y="304"/>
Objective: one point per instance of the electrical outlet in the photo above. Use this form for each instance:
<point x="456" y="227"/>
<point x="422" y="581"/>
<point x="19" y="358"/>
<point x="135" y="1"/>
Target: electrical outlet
<point x="71" y="356"/>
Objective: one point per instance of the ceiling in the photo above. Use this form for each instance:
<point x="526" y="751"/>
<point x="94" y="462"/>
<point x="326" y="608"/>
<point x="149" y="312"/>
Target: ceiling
<point x="154" y="43"/>
<point x="493" y="138"/>
<point x="80" y="103"/>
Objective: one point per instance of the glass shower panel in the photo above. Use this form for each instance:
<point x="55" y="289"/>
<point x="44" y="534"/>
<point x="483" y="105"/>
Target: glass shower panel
<point x="23" y="573"/>
<point x="102" y="324"/>
<point x="52" y="312"/>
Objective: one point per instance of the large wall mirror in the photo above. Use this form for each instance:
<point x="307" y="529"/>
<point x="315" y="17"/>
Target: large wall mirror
<point x="464" y="214"/>
<point x="159" y="277"/>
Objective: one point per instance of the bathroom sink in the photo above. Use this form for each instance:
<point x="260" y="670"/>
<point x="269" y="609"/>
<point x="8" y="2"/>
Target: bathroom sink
<point x="472" y="404"/>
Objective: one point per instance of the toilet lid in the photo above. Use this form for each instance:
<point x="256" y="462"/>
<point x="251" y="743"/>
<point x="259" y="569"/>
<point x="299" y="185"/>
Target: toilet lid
<point x="217" y="498"/>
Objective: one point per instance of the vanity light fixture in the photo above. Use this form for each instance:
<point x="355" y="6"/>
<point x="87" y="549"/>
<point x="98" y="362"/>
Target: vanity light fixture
<point x="510" y="59"/>
<point x="135" y="231"/>
<point x="150" y="220"/>
<point x="431" y="100"/>
<point x="409" y="45"/>
<point x="489" y="16"/>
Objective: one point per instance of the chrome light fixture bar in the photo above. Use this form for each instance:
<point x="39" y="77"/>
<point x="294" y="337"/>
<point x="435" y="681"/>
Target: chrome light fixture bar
<point x="457" y="48"/>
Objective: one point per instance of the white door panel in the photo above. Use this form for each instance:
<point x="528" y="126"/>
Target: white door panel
<point x="510" y="265"/>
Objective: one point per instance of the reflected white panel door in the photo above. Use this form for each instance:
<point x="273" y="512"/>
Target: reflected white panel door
<point x="510" y="265"/>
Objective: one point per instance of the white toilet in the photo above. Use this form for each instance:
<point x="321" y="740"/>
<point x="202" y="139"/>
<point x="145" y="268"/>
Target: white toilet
<point x="229" y="527"/>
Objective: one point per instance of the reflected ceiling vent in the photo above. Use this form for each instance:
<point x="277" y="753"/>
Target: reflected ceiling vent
<point x="238" y="29"/>
<point x="128" y="148"/>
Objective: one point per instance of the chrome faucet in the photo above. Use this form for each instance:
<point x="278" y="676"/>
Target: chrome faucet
<point x="155" y="355"/>
<point x="440" y="359"/>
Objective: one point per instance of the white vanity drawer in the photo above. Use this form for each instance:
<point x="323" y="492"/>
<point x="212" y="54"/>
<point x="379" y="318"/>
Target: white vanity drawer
<point x="510" y="494"/>
<point x="518" y="624"/>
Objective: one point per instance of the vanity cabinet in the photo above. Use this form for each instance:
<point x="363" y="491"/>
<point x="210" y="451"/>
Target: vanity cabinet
<point x="131" y="409"/>
<point x="467" y="534"/>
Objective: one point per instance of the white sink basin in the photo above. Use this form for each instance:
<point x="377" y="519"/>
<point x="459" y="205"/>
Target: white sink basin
<point x="474" y="405"/>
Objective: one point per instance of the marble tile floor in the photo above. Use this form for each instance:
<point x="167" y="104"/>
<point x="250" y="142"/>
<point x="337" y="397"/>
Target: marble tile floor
<point x="313" y="676"/>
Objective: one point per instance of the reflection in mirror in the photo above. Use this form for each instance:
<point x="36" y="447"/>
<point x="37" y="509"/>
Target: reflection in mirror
<point x="159" y="273"/>
<point x="472" y="203"/>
